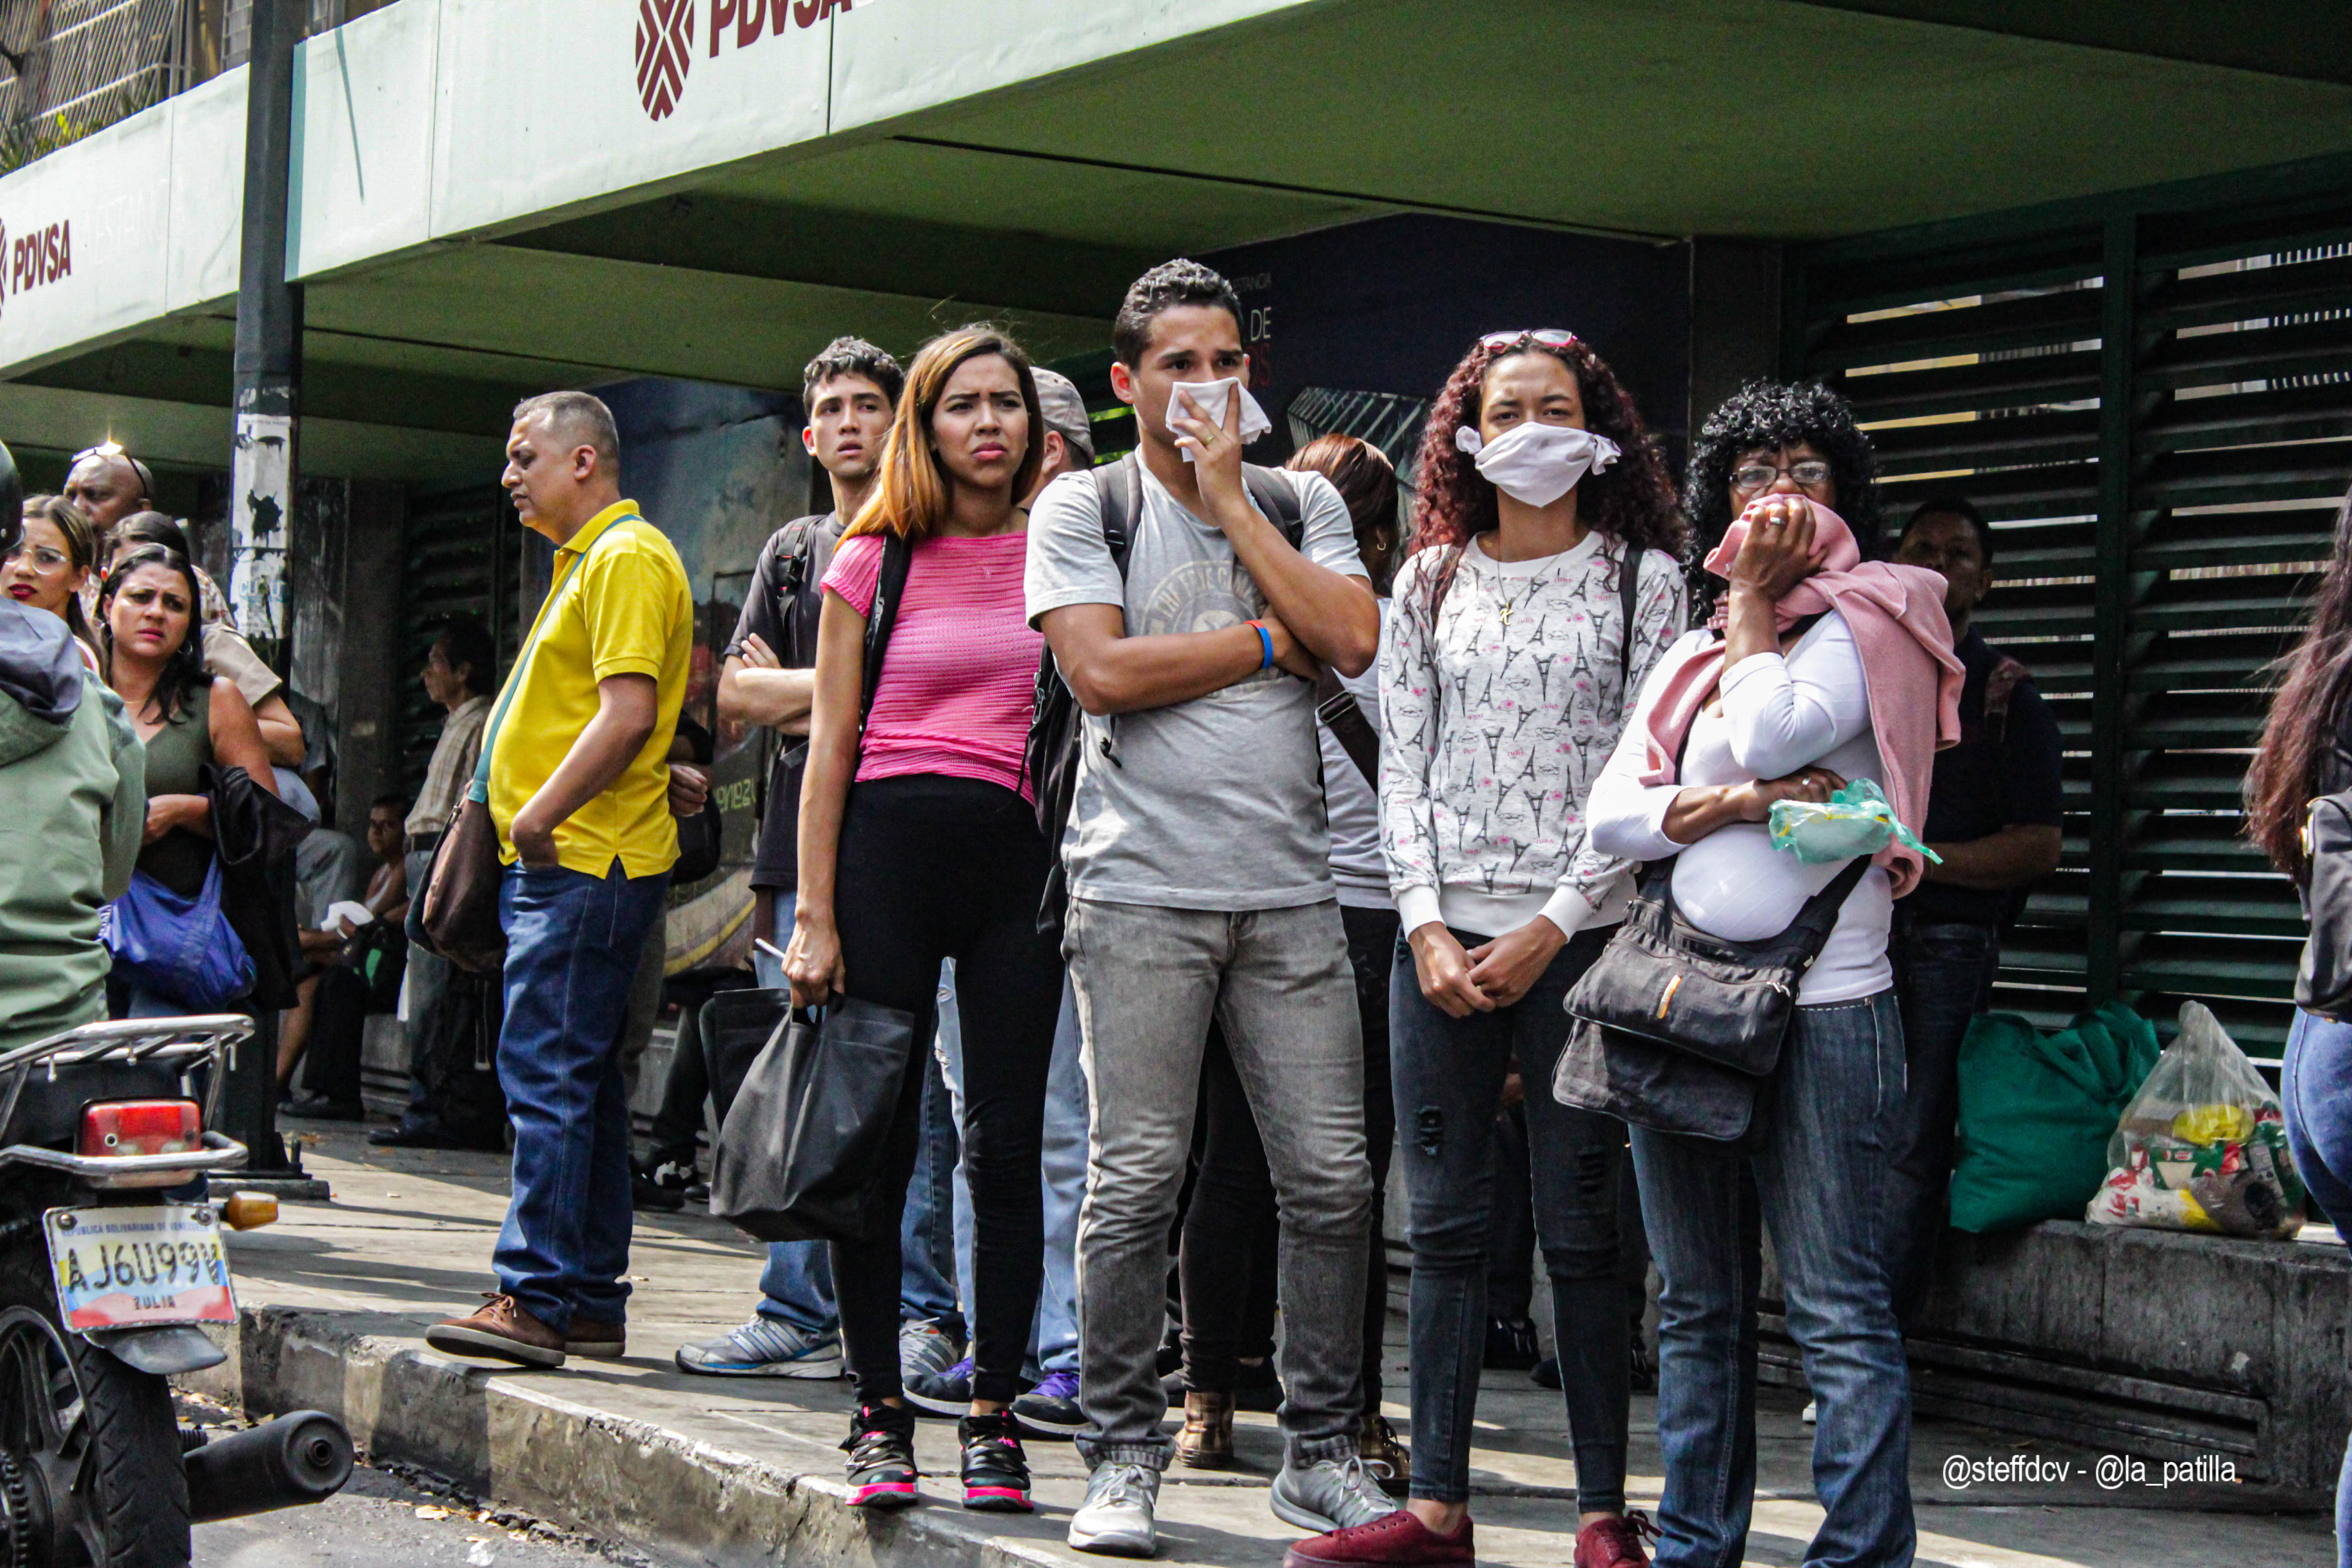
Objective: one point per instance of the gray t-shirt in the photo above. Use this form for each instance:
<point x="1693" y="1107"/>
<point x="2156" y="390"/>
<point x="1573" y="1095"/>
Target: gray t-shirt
<point x="1216" y="803"/>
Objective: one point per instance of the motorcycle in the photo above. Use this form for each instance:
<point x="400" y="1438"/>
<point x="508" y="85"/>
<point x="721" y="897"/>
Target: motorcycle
<point x="111" y="1257"/>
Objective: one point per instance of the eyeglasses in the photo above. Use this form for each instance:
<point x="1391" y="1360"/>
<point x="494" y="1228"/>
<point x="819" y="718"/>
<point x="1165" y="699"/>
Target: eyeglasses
<point x="103" y="449"/>
<point x="1551" y="337"/>
<point x="43" y="558"/>
<point x="1811" y="475"/>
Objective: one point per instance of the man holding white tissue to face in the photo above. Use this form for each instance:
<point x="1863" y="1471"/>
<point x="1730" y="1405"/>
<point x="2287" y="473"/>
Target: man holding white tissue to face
<point x="1201" y="888"/>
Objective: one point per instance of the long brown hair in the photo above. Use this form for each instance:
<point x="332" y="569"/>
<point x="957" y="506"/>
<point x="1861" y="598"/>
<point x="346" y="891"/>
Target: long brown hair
<point x="2299" y="736"/>
<point x="1365" y="479"/>
<point x="913" y="493"/>
<point x="1633" y="498"/>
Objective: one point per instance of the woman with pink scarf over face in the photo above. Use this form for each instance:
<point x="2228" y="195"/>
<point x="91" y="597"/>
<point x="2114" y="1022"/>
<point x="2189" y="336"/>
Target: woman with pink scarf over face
<point x="1818" y="668"/>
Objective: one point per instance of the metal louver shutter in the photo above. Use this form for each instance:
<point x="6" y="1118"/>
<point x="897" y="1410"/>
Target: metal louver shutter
<point x="459" y="558"/>
<point x="2162" y="464"/>
<point x="1977" y="371"/>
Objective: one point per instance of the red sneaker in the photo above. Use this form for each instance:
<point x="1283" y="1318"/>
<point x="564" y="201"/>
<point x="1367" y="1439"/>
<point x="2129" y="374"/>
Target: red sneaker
<point x="1393" y="1541"/>
<point x="1614" y="1542"/>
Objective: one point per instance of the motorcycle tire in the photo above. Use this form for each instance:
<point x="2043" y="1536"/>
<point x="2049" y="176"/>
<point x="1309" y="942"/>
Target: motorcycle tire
<point x="101" y="1433"/>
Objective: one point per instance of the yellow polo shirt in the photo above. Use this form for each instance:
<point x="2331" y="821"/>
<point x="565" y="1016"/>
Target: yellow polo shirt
<point x="620" y="606"/>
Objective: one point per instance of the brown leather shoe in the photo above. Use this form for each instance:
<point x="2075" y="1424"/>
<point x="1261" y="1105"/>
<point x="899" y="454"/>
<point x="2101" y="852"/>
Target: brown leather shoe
<point x="502" y="1330"/>
<point x="597" y="1341"/>
<point x="1385" y="1459"/>
<point x="1207" y="1441"/>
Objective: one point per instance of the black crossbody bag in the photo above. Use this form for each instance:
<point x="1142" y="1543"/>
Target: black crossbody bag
<point x="1679" y="1031"/>
<point x="2323" y="984"/>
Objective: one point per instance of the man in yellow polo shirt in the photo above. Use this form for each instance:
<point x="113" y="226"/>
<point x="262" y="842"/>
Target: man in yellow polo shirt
<point x="580" y="790"/>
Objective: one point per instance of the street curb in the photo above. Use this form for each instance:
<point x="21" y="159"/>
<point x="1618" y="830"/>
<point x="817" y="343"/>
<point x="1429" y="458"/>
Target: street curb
<point x="631" y="1482"/>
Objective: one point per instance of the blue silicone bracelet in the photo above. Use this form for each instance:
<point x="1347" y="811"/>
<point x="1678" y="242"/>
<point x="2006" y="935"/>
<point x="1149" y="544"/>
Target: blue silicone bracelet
<point x="1265" y="641"/>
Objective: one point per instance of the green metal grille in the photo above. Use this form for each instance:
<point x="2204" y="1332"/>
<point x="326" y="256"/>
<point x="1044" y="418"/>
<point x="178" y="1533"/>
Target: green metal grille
<point x="2161" y="463"/>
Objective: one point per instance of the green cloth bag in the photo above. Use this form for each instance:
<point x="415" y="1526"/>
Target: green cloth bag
<point x="2036" y="1112"/>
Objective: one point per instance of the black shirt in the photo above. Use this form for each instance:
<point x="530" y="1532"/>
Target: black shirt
<point x="780" y="608"/>
<point x="2003" y="774"/>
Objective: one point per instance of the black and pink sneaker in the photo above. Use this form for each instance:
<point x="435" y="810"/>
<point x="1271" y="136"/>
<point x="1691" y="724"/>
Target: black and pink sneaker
<point x="995" y="1470"/>
<point x="881" y="1449"/>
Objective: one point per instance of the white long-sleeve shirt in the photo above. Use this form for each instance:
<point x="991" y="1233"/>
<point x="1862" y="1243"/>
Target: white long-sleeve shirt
<point x="1778" y="714"/>
<point x="1494" y="728"/>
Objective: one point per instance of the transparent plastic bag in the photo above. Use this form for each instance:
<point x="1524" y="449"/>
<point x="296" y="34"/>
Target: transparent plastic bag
<point x="1855" y="821"/>
<point x="2203" y="1145"/>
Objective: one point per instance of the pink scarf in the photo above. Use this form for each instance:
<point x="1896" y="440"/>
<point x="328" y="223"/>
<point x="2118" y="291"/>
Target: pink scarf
<point x="1896" y="615"/>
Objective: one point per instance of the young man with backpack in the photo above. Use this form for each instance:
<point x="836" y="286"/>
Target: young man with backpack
<point x="1189" y="603"/>
<point x="850" y="391"/>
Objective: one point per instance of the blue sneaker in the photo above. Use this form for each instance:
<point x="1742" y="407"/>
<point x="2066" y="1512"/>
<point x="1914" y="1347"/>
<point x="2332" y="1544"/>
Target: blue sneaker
<point x="764" y="1347"/>
<point x="945" y="1392"/>
<point x="1053" y="1406"/>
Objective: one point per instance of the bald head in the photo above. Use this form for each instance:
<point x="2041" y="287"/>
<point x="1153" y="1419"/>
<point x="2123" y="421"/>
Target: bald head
<point x="108" y="486"/>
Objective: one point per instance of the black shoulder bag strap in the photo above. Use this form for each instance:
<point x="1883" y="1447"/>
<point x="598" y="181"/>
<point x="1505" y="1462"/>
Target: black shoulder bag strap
<point x="881" y="615"/>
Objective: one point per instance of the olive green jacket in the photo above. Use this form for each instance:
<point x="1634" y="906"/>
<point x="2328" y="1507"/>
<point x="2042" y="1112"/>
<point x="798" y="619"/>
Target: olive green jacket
<point x="73" y="808"/>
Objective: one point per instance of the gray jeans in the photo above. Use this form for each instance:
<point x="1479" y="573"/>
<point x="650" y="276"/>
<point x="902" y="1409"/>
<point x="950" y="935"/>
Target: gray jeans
<point x="1148" y="981"/>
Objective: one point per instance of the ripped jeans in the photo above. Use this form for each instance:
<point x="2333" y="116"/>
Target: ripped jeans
<point x="1449" y="1082"/>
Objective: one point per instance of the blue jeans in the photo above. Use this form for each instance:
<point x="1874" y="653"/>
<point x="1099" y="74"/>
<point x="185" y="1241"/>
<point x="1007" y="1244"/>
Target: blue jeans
<point x="797" y="1287"/>
<point x="1819" y="1181"/>
<point x="1053" y="1338"/>
<point x="572" y="945"/>
<point x="1943" y="976"/>
<point x="2316" y="1086"/>
<point x="1448" y="1074"/>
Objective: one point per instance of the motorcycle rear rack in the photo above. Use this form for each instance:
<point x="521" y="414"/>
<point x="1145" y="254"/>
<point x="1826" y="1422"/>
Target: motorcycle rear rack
<point x="190" y="1045"/>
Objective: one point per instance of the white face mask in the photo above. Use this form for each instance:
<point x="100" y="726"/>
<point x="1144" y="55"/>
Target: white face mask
<point x="1538" y="464"/>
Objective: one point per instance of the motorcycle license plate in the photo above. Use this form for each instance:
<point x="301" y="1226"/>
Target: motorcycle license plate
<point x="127" y="1268"/>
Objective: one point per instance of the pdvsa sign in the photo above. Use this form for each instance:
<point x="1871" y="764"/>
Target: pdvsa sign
<point x="666" y="31"/>
<point x="41" y="256"/>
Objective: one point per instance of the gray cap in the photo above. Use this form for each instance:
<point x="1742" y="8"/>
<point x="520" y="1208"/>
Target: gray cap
<point x="1066" y="411"/>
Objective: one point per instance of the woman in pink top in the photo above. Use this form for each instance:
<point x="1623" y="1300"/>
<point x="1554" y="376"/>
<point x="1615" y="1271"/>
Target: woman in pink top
<point x="918" y="843"/>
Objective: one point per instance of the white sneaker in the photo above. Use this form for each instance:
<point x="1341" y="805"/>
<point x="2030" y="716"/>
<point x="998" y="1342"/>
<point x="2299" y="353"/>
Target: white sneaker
<point x="1116" y="1518"/>
<point x="1812" y="1411"/>
<point x="764" y="1347"/>
<point x="1328" y="1495"/>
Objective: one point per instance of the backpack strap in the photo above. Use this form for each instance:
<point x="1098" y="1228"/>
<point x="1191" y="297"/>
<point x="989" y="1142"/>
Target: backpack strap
<point x="1275" y="494"/>
<point x="882" y="616"/>
<point x="1121" y="485"/>
<point x="1629" y="582"/>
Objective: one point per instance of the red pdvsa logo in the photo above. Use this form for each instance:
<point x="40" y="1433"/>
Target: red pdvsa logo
<point x="666" y="37"/>
<point x="665" y="53"/>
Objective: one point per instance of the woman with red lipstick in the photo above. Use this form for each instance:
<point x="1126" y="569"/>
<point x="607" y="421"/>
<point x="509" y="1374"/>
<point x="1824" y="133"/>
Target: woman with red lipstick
<point x="918" y="842"/>
<point x="150" y="655"/>
<point x="49" y="564"/>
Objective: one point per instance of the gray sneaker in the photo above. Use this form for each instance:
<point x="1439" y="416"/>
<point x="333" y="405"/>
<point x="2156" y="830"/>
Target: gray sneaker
<point x="924" y="1351"/>
<point x="1328" y="1495"/>
<point x="1116" y="1518"/>
<point x="764" y="1347"/>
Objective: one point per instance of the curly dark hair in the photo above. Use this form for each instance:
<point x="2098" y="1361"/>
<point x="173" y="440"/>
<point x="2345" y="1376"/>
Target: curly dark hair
<point x="1633" y="498"/>
<point x="1181" y="281"/>
<point x="1772" y="415"/>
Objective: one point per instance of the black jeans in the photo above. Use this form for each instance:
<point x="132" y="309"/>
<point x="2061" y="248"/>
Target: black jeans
<point x="1943" y="977"/>
<point x="934" y="868"/>
<point x="1228" y="1256"/>
<point x="1449" y="1080"/>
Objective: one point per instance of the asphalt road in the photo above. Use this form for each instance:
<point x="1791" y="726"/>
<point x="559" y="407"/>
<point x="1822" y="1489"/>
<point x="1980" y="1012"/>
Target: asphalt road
<point x="376" y="1522"/>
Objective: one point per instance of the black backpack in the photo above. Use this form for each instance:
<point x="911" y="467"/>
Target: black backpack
<point x="1056" y="722"/>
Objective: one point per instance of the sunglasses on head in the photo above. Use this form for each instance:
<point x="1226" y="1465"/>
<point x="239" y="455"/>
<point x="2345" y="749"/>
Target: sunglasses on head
<point x="1549" y="337"/>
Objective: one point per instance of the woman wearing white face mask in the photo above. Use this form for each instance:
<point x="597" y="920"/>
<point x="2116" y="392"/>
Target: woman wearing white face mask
<point x="1545" y="515"/>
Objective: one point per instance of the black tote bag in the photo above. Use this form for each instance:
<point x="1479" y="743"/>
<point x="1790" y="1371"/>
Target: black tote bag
<point x="802" y="1154"/>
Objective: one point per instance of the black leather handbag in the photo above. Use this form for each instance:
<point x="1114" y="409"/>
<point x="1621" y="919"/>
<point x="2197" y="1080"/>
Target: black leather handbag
<point x="1680" y="1031"/>
<point x="802" y="1154"/>
<point x="2323" y="983"/>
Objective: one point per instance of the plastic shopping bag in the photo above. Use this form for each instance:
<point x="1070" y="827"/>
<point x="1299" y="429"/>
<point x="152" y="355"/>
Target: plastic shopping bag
<point x="1855" y="821"/>
<point x="2202" y="1146"/>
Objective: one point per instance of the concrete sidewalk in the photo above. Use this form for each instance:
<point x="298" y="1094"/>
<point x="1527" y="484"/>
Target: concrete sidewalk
<point x="714" y="1470"/>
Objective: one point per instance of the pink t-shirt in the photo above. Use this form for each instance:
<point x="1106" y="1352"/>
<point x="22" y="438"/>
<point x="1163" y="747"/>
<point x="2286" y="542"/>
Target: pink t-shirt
<point x="959" y="678"/>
